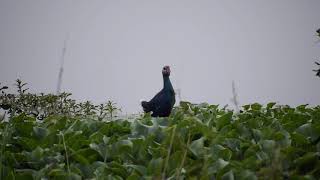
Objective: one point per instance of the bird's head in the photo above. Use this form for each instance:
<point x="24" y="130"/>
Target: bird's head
<point x="166" y="71"/>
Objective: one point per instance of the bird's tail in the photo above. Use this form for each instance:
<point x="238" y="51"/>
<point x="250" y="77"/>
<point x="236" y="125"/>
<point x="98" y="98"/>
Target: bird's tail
<point x="146" y="106"/>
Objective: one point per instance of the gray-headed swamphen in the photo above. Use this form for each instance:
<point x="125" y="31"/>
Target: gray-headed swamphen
<point x="162" y="103"/>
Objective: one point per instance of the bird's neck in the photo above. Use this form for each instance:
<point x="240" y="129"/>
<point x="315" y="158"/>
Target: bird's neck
<point x="166" y="83"/>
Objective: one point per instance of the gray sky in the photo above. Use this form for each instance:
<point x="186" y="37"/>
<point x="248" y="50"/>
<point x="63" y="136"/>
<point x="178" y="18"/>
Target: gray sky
<point x="116" y="49"/>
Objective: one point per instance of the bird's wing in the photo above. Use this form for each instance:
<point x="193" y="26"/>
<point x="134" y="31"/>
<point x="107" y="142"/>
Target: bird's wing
<point x="156" y="99"/>
<point x="317" y="63"/>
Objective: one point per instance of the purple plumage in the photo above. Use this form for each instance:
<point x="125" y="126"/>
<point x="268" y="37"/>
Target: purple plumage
<point x="162" y="103"/>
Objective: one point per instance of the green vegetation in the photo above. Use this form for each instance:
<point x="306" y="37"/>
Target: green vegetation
<point x="45" y="105"/>
<point x="73" y="141"/>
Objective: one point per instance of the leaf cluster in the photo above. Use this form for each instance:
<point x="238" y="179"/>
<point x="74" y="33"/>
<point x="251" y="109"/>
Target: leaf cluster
<point x="44" y="105"/>
<point x="198" y="141"/>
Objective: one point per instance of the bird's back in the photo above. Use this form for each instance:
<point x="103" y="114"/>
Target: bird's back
<point x="163" y="103"/>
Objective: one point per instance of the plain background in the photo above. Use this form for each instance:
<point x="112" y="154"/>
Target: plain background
<point x="116" y="49"/>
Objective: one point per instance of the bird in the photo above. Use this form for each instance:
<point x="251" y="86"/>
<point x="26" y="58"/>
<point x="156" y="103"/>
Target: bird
<point x="162" y="103"/>
<point x="318" y="70"/>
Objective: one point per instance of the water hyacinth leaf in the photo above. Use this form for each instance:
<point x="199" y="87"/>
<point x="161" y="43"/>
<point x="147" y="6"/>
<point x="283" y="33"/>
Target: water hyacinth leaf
<point x="112" y="170"/>
<point x="270" y="105"/>
<point x="114" y="128"/>
<point x="96" y="137"/>
<point x="197" y="147"/>
<point x="133" y="176"/>
<point x="25" y="174"/>
<point x="306" y="177"/>
<point x="247" y="174"/>
<point x="24" y="129"/>
<point x="140" y="169"/>
<point x="302" y="108"/>
<point x="57" y="173"/>
<point x="140" y="129"/>
<point x="55" y="123"/>
<point x="228" y="176"/>
<point x="307" y="162"/>
<point x="218" y="165"/>
<point x="102" y="149"/>
<point x="175" y="162"/>
<point x="251" y="162"/>
<point x="164" y="122"/>
<point x="106" y="139"/>
<point x="89" y="154"/>
<point x="71" y="175"/>
<point x="35" y="156"/>
<point x="232" y="143"/>
<point x="309" y="131"/>
<point x="40" y="132"/>
<point x="123" y="145"/>
<point x="243" y="130"/>
<point x="263" y="156"/>
<point x="268" y="146"/>
<point x="283" y="138"/>
<point x="256" y="106"/>
<point x="118" y="169"/>
<point x="76" y="140"/>
<point x="27" y="143"/>
<point x="185" y="105"/>
<point x="251" y="150"/>
<point x="218" y="151"/>
<point x="246" y="107"/>
<point x="79" y="157"/>
<point x="224" y="120"/>
<point x="8" y="174"/>
<point x="257" y="134"/>
<point x="155" y="166"/>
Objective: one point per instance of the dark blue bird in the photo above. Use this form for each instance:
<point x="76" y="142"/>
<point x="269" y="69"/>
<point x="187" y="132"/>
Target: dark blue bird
<point x="162" y="103"/>
<point x="318" y="70"/>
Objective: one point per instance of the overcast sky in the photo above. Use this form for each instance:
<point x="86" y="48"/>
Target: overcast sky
<point x="116" y="49"/>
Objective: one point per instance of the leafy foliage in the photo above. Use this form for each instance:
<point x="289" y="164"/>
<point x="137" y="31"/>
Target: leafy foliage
<point x="196" y="142"/>
<point x="44" y="105"/>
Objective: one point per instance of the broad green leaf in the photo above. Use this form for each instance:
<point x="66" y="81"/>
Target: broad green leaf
<point x="247" y="174"/>
<point x="197" y="147"/>
<point x="224" y="120"/>
<point x="228" y="176"/>
<point x="309" y="131"/>
<point x="102" y="149"/>
<point x="218" y="165"/>
<point x="40" y="132"/>
<point x="140" y="169"/>
<point x="268" y="146"/>
<point x="302" y="108"/>
<point x="256" y="106"/>
<point x="307" y="162"/>
<point x="232" y="143"/>
<point x="270" y="105"/>
<point x="155" y="166"/>
<point x="218" y="151"/>
<point x="25" y="174"/>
